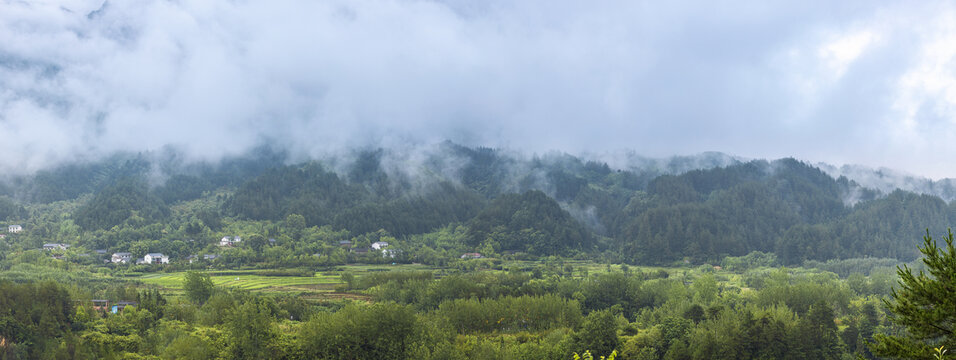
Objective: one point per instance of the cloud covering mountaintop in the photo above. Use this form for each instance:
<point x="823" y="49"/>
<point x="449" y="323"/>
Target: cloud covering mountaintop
<point x="842" y="82"/>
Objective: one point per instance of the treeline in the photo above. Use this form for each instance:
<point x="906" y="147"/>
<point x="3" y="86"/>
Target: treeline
<point x="530" y="313"/>
<point x="539" y="206"/>
<point x="785" y="207"/>
<point x="34" y="319"/>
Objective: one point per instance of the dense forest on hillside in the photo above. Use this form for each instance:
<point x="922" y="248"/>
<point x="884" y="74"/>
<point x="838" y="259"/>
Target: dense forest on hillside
<point x="530" y="206"/>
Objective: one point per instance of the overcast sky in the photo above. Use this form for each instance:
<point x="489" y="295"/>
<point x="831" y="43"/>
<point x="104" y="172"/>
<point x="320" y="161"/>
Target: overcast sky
<point x="843" y="82"/>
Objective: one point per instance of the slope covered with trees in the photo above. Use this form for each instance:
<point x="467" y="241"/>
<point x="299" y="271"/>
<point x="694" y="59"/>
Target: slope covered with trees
<point x="531" y="222"/>
<point x="540" y="205"/>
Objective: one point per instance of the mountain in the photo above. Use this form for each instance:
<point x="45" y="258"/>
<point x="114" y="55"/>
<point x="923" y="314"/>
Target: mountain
<point x="694" y="208"/>
<point x="889" y="180"/>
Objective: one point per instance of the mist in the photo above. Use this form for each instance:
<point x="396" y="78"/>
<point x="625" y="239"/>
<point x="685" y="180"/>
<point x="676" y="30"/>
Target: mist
<point x="851" y="82"/>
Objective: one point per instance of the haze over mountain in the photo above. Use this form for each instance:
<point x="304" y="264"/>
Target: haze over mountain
<point x="458" y="179"/>
<point x="850" y="82"/>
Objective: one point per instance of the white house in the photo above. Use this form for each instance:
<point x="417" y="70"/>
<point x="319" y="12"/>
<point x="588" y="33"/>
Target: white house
<point x="156" y="258"/>
<point x="13" y="229"/>
<point x="379" y="245"/>
<point x="121" y="257"/>
<point x="55" y="246"/>
<point x="229" y="241"/>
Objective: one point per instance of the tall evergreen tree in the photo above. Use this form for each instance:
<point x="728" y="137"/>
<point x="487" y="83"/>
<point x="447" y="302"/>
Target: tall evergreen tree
<point x="816" y="335"/>
<point x="925" y="305"/>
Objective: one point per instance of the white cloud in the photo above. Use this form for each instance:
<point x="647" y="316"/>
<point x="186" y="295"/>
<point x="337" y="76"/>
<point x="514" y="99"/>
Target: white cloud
<point x="840" y="53"/>
<point x="840" y="82"/>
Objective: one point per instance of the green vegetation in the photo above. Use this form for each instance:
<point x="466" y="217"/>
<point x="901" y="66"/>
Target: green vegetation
<point x="924" y="305"/>
<point x="475" y="254"/>
<point x="198" y="286"/>
<point x="531" y="222"/>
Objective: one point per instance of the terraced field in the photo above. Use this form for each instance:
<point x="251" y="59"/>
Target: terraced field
<point x="249" y="280"/>
<point x="320" y="286"/>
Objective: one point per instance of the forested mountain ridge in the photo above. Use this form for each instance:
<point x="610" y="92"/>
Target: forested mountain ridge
<point x="540" y="205"/>
<point x="888" y="180"/>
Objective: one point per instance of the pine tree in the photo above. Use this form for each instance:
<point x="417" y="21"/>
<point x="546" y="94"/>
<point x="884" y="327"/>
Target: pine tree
<point x="816" y="335"/>
<point x="925" y="305"/>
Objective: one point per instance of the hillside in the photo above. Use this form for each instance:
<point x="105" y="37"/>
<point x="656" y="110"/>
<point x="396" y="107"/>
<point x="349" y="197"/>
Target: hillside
<point x="698" y="209"/>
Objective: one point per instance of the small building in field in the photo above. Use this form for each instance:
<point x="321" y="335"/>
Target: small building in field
<point x="120" y="305"/>
<point x="156" y="258"/>
<point x="471" y="256"/>
<point x="121" y="257"/>
<point x="230" y="241"/>
<point x="51" y="246"/>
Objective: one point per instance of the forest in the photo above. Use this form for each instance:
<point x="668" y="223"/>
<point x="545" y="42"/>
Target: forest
<point x="459" y="253"/>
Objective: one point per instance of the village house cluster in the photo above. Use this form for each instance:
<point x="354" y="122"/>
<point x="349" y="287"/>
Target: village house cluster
<point x="59" y="251"/>
<point x="378" y="245"/>
<point x="150" y="258"/>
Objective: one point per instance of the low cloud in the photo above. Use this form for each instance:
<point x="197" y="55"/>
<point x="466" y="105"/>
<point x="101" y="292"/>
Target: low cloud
<point x="840" y="82"/>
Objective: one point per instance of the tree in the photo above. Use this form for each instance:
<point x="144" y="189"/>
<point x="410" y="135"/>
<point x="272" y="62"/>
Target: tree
<point x="378" y="331"/>
<point x="694" y="313"/>
<point x="139" y="249"/>
<point x="598" y="333"/>
<point x="252" y="331"/>
<point x="816" y="335"/>
<point x="924" y="305"/>
<point x="295" y="224"/>
<point x="198" y="286"/>
<point x="256" y="242"/>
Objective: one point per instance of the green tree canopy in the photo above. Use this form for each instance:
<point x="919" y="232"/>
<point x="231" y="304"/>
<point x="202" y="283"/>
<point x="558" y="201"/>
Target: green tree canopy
<point x="531" y="222"/>
<point x="925" y="305"/>
<point x="198" y="286"/>
<point x="128" y="199"/>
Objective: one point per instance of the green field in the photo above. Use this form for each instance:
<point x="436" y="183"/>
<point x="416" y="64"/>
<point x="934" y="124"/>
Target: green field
<point x="320" y="286"/>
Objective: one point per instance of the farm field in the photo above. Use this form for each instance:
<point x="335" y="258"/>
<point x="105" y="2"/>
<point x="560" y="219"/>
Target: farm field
<point x="319" y="286"/>
<point x="322" y="285"/>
